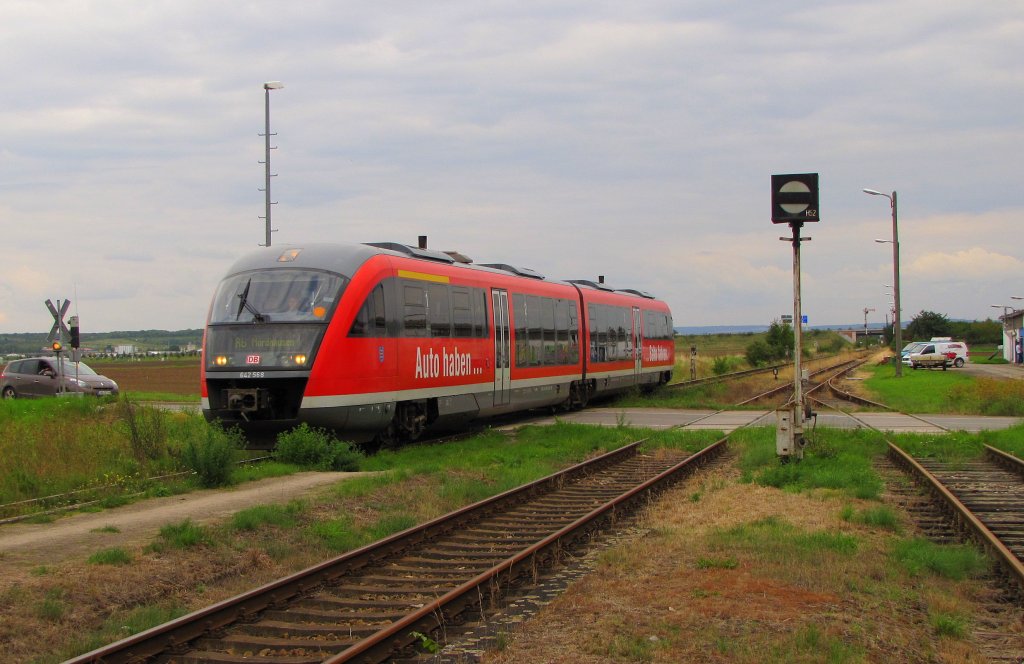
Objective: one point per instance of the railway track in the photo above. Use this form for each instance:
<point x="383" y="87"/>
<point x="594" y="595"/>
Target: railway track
<point x="983" y="499"/>
<point x="378" y="602"/>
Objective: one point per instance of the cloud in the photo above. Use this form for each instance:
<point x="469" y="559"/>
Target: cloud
<point x="967" y="264"/>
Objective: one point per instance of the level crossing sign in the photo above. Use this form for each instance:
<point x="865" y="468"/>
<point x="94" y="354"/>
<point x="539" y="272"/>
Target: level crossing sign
<point x="59" y="330"/>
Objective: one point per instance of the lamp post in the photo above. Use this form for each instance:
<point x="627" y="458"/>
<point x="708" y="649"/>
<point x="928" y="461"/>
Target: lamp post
<point x="898" y="331"/>
<point x="267" y="87"/>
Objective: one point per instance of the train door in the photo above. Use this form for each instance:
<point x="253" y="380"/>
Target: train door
<point x="638" y="344"/>
<point x="502" y="348"/>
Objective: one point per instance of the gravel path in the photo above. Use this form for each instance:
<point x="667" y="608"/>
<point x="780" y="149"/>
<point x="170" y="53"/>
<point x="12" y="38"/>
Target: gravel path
<point x="138" y="523"/>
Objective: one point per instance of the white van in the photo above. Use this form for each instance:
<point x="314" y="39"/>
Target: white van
<point x="938" y="352"/>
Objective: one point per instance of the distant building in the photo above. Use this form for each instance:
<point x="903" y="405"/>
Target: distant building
<point x="1013" y="336"/>
<point x="124" y="349"/>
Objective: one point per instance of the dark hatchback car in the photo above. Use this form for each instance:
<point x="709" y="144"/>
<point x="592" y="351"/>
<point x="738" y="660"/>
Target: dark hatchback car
<point x="39" y="377"/>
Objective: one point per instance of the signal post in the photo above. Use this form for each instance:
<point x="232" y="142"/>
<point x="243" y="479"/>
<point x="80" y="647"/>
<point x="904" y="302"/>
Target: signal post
<point x="794" y="202"/>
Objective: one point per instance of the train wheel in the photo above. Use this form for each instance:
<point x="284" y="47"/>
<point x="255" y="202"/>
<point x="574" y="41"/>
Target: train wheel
<point x="579" y="395"/>
<point x="407" y="425"/>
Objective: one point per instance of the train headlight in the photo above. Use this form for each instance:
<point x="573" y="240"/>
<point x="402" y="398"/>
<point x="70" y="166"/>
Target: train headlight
<point x="220" y="360"/>
<point x="300" y="359"/>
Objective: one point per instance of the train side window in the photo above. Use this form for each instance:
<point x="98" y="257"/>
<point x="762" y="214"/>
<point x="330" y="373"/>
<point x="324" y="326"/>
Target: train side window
<point x="519" y="323"/>
<point x="462" y="313"/>
<point x="550" y="355"/>
<point x="414" y="318"/>
<point x="439" y="310"/>
<point x="598" y="333"/>
<point x="479" y="301"/>
<point x="562" y="331"/>
<point x="371" y="320"/>
<point x="534" y="318"/>
<point x="574" y="334"/>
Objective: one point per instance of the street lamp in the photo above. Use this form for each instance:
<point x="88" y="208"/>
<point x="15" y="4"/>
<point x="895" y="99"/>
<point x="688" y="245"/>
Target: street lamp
<point x="898" y="331"/>
<point x="267" y="87"/>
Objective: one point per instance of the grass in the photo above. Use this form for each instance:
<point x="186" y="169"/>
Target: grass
<point x="416" y="483"/>
<point x="110" y="556"/>
<point x="103" y="452"/>
<point x="879" y="516"/>
<point x="182" y="535"/>
<point x="930" y="391"/>
<point x="254" y="518"/>
<point x="119" y="625"/>
<point x="776" y="538"/>
<point x="921" y="391"/>
<point x="165" y="397"/>
<point x="839" y="460"/>
<point x="801" y="572"/>
<point x="919" y="556"/>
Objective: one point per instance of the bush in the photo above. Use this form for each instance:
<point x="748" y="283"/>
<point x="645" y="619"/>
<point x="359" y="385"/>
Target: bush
<point x="758" y="353"/>
<point x="145" y="430"/>
<point x="209" y="450"/>
<point x="316" y="448"/>
<point x="722" y="365"/>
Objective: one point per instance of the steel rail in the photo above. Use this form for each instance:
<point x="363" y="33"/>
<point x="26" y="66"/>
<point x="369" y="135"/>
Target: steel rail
<point x="710" y="380"/>
<point x="174" y="634"/>
<point x="398" y="635"/>
<point x="850" y="396"/>
<point x="962" y="516"/>
<point x="843" y="366"/>
<point x="1006" y="460"/>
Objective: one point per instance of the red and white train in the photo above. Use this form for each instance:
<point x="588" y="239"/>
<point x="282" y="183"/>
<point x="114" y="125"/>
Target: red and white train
<point x="379" y="342"/>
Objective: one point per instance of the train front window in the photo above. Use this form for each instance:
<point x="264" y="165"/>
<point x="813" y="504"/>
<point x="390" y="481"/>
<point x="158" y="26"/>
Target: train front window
<point x="279" y="296"/>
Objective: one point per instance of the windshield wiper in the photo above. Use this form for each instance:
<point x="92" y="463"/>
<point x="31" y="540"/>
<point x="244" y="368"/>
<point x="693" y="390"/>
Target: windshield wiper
<point x="243" y="304"/>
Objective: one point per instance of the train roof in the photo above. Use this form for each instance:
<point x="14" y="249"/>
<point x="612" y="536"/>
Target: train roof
<point x="346" y="258"/>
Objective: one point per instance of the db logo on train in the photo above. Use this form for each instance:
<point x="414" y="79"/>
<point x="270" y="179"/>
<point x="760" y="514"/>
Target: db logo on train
<point x="252" y="359"/>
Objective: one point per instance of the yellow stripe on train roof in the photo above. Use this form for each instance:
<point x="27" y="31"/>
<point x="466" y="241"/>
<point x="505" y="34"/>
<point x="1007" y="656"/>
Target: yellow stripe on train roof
<point x="423" y="276"/>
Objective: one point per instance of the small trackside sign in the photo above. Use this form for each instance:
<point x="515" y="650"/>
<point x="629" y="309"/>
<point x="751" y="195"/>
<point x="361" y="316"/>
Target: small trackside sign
<point x="795" y="198"/>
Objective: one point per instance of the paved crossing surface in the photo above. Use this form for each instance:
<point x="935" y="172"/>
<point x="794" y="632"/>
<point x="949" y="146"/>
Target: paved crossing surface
<point x="729" y="420"/>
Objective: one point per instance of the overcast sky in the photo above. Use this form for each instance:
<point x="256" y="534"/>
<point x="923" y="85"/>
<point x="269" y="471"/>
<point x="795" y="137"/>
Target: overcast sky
<point x="634" y="140"/>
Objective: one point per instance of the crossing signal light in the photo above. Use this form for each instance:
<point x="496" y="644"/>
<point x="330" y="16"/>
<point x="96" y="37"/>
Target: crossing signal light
<point x="75" y="337"/>
<point x="56" y="346"/>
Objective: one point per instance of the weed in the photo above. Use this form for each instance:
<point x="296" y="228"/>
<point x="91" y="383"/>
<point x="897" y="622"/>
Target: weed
<point x="51" y="609"/>
<point x="111" y="556"/>
<point x="951" y="561"/>
<point x="123" y="624"/>
<point x="948" y="624"/>
<point x="780" y="539"/>
<point x="210" y="451"/>
<point x="717" y="563"/>
<point x="260" y="515"/>
<point x="116" y="500"/>
<point x="106" y="529"/>
<point x="427" y="644"/>
<point x="316" y="448"/>
<point x="338" y="535"/>
<point x="41" y="570"/>
<point x="844" y="464"/>
<point x="388" y="525"/>
<point x="879" y="517"/>
<point x="723" y="364"/>
<point x="145" y="428"/>
<point x="184" y="534"/>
